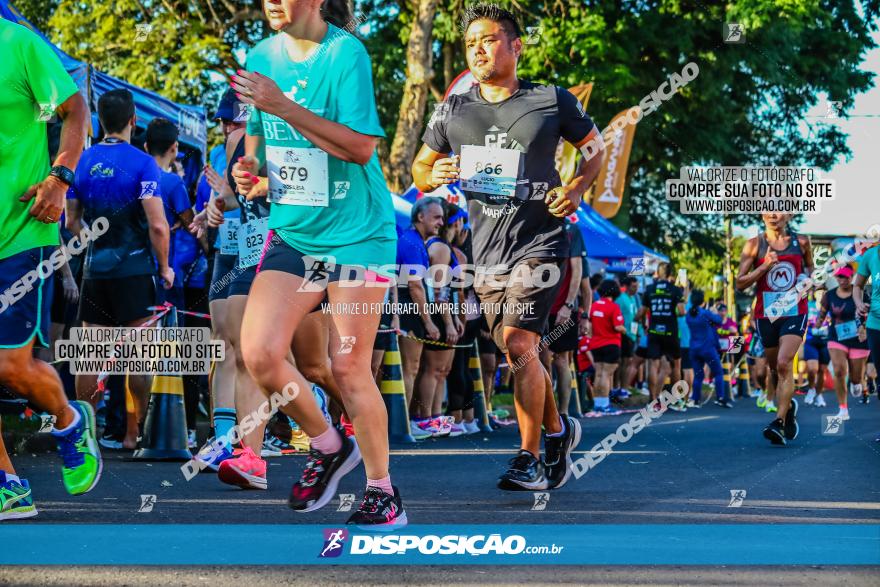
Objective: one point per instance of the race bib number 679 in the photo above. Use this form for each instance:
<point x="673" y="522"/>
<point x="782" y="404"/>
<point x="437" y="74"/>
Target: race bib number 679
<point x="297" y="176"/>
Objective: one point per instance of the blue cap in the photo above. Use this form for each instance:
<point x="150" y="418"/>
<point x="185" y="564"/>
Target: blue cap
<point x="230" y="108"/>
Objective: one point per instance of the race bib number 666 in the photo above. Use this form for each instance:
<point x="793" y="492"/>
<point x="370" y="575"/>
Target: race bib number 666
<point x="490" y="170"/>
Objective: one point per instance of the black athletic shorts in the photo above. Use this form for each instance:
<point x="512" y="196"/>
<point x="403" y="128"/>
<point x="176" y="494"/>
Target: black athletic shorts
<point x="383" y="339"/>
<point x="642" y="352"/>
<point x="222" y="276"/>
<point x="410" y="322"/>
<point x="772" y="330"/>
<point x="627" y="347"/>
<point x="874" y="346"/>
<point x="817" y="352"/>
<point x="437" y="319"/>
<point x="566" y="337"/>
<point x="61" y="311"/>
<point x="686" y="362"/>
<point x="662" y="345"/>
<point x="609" y="353"/>
<point x="117" y="302"/>
<point x="528" y="305"/>
<point x="244" y="278"/>
<point x="487" y="346"/>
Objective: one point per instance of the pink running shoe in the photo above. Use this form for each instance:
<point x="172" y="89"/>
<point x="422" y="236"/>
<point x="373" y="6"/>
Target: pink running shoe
<point x="431" y="427"/>
<point x="444" y="428"/>
<point x="245" y="470"/>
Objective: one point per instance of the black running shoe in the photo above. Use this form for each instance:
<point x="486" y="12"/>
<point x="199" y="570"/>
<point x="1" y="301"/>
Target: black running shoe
<point x="775" y="432"/>
<point x="557" y="453"/>
<point x="865" y="398"/>
<point x="791" y="425"/>
<point x="526" y="473"/>
<point x="379" y="510"/>
<point x="724" y="403"/>
<point x="319" y="480"/>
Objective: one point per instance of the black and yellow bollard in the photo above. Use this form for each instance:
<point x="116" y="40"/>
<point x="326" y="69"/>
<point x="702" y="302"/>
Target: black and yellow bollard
<point x="799" y="368"/>
<point x="481" y="415"/>
<point x="165" y="426"/>
<point x="728" y="378"/>
<point x="394" y="394"/>
<point x="744" y="377"/>
<point x="575" y="397"/>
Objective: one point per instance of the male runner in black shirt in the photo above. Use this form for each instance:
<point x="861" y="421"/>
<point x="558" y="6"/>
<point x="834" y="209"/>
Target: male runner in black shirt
<point x="663" y="302"/>
<point x="504" y="133"/>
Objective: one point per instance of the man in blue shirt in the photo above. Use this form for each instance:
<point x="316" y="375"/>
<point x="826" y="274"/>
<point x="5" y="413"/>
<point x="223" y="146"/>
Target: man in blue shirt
<point x="163" y="146"/>
<point x="117" y="181"/>
<point x="412" y="257"/>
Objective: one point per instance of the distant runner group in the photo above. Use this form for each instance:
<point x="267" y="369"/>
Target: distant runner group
<point x="295" y="203"/>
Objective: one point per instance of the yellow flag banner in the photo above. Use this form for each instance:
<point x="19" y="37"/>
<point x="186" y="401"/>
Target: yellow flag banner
<point x="608" y="190"/>
<point x="567" y="156"/>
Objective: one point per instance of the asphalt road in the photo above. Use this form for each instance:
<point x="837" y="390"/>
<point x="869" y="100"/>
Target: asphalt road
<point x="679" y="470"/>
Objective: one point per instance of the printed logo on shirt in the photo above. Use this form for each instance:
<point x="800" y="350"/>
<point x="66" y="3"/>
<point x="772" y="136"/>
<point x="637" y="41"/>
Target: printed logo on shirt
<point x="340" y="189"/>
<point x="148" y="189"/>
<point x="99" y="170"/>
<point x="539" y="189"/>
<point x="781" y="277"/>
<point x="495" y="139"/>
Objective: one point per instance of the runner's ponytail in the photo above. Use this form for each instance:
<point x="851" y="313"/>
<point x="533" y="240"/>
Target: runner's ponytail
<point x="697" y="299"/>
<point x="337" y="12"/>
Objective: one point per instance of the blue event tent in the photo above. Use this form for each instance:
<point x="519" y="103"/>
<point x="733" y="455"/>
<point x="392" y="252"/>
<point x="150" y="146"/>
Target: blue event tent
<point x="93" y="84"/>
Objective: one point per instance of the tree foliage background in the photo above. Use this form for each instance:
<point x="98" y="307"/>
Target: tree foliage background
<point x="747" y="106"/>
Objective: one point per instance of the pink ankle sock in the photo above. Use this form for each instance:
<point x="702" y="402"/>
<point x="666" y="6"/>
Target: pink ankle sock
<point x="384" y="484"/>
<point x="328" y="442"/>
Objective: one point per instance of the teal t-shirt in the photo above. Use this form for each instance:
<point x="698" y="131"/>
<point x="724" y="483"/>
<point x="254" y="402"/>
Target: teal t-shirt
<point x="869" y="266"/>
<point x="629" y="305"/>
<point x="333" y="209"/>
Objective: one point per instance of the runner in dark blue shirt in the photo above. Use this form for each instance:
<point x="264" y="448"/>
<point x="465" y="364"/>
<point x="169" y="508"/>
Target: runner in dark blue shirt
<point x="162" y="144"/>
<point x="116" y="181"/>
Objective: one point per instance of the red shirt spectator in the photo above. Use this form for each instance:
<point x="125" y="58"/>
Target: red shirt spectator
<point x="605" y="315"/>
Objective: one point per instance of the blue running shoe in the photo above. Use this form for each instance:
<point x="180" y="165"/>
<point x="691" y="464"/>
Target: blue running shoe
<point x="606" y="411"/>
<point x="212" y="454"/>
<point x="321" y="398"/>
<point x="619" y="394"/>
<point x="16" y="501"/>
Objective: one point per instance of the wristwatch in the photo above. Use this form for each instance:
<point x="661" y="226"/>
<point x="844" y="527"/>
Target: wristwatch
<point x="585" y="315"/>
<point x="571" y="306"/>
<point x="62" y="173"/>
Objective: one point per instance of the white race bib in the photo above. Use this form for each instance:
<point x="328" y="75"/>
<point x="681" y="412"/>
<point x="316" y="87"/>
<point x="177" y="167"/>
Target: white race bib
<point x="634" y="328"/>
<point x="490" y="170"/>
<point x="770" y="299"/>
<point x="251" y="238"/>
<point x="846" y="330"/>
<point x="229" y="236"/>
<point x="297" y="177"/>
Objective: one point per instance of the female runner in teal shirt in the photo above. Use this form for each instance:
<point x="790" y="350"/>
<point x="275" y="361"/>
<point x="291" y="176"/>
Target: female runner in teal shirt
<point x="314" y="122"/>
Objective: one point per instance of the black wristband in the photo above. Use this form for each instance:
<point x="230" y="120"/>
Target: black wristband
<point x="62" y="173"/>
